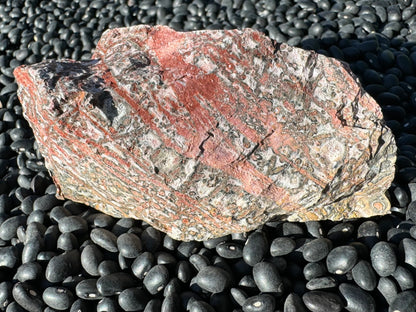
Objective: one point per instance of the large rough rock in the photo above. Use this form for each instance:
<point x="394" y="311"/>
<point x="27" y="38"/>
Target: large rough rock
<point x="206" y="133"/>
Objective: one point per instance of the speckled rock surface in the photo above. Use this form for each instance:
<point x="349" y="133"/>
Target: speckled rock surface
<point x="206" y="133"/>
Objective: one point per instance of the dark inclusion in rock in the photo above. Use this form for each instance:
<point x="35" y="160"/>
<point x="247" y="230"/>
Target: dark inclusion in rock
<point x="210" y="132"/>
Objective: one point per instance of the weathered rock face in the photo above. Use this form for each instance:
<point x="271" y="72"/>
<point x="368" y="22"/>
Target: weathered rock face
<point x="211" y="132"/>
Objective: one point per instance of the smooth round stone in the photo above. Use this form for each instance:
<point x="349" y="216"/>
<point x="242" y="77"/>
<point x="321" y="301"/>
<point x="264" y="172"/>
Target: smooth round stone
<point x="404" y="302"/>
<point x="58" y="298"/>
<point x="282" y="246"/>
<point x="87" y="289"/>
<point x="316" y="249"/>
<point x="341" y="259"/>
<point x="27" y="297"/>
<point x="313" y="270"/>
<point x="357" y="299"/>
<point x="213" y="279"/>
<point x="383" y="258"/>
<point x="229" y="250"/>
<point x="142" y="264"/>
<point x="28" y="272"/>
<point x="105" y="239"/>
<point x="156" y="279"/>
<point x="61" y="266"/>
<point x="255" y="248"/>
<point x="321" y="283"/>
<point x="74" y="224"/>
<point x="133" y="299"/>
<point x="267" y="277"/>
<point x="129" y="245"/>
<point x="91" y="258"/>
<point x="259" y="303"/>
<point x="404" y="278"/>
<point x="113" y="284"/>
<point x="364" y="275"/>
<point x="318" y="301"/>
<point x="108" y="305"/>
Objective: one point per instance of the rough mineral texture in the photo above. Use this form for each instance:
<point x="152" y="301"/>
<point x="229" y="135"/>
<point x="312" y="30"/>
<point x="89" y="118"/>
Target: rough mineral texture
<point x="206" y="133"/>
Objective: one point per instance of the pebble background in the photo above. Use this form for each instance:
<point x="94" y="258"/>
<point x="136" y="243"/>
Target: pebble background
<point x="63" y="256"/>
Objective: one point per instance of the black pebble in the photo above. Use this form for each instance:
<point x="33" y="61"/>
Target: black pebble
<point x="156" y="279"/>
<point x="341" y="259"/>
<point x="357" y="299"/>
<point x="383" y="258"/>
<point x="267" y="277"/>
<point x="114" y="283"/>
<point x="133" y="299"/>
<point x="259" y="303"/>
<point x="213" y="279"/>
<point x="105" y="239"/>
<point x="318" y="301"/>
<point x="58" y="298"/>
<point x="255" y="248"/>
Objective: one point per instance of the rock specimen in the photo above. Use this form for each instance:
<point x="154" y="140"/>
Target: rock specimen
<point x="210" y="132"/>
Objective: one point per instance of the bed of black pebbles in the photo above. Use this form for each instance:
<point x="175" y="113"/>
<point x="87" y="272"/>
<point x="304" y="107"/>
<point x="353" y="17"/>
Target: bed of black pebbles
<point x="60" y="255"/>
